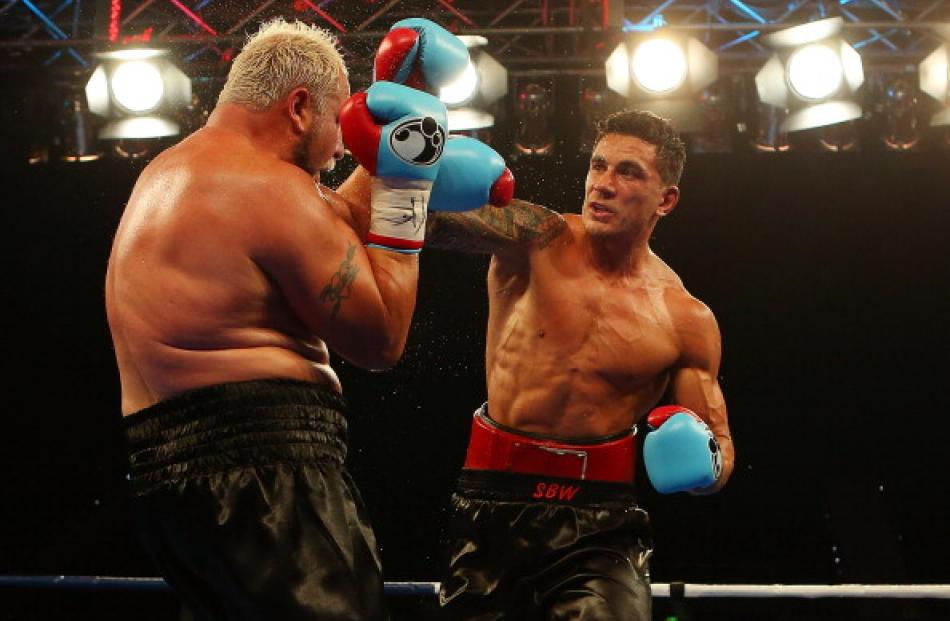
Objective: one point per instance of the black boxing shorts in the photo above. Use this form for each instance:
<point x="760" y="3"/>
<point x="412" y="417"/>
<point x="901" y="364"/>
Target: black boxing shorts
<point x="528" y="545"/>
<point x="244" y="504"/>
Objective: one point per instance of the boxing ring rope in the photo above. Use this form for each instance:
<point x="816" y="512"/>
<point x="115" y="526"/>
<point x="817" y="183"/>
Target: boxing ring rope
<point x="676" y="590"/>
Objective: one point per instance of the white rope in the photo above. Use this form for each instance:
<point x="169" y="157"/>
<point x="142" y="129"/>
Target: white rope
<point x="901" y="591"/>
<point x="660" y="589"/>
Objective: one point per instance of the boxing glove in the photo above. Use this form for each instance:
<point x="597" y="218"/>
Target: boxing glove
<point x="680" y="453"/>
<point x="471" y="174"/>
<point x="420" y="54"/>
<point x="398" y="134"/>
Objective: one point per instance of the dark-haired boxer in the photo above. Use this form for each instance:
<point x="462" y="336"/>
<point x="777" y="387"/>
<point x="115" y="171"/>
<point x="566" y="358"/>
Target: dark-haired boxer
<point x="587" y="330"/>
<point x="232" y="274"/>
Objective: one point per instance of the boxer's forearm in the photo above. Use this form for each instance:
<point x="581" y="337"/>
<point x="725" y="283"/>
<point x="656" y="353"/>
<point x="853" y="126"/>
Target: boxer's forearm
<point x="493" y="230"/>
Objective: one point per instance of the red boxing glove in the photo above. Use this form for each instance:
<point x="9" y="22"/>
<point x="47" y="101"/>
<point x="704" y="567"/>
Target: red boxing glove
<point x="420" y="54"/>
<point x="393" y="50"/>
<point x="661" y="414"/>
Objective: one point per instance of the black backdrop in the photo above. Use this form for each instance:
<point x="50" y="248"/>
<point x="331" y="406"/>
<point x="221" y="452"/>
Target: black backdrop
<point x="828" y="273"/>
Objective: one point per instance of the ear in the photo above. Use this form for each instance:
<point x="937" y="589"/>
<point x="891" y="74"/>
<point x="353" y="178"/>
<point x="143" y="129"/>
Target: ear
<point x="671" y="196"/>
<point x="299" y="106"/>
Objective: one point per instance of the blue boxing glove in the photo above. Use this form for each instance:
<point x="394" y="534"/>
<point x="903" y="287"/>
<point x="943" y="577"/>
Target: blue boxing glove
<point x="680" y="453"/>
<point x="398" y="134"/>
<point x="471" y="175"/>
<point x="421" y="54"/>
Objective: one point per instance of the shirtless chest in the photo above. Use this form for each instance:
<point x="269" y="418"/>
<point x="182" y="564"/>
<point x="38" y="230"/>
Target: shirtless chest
<point x="577" y="355"/>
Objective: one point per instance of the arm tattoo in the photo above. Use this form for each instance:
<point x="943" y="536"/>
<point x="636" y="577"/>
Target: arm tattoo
<point x="494" y="229"/>
<point x="338" y="289"/>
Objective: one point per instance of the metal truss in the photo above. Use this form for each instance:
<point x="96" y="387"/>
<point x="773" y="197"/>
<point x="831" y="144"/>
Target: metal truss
<point x="531" y="37"/>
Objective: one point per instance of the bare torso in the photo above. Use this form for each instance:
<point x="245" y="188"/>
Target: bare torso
<point x="573" y="352"/>
<point x="188" y="309"/>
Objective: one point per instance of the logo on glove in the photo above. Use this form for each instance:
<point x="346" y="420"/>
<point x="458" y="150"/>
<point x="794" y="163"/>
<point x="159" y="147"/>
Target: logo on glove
<point x="418" y="141"/>
<point x="716" y="455"/>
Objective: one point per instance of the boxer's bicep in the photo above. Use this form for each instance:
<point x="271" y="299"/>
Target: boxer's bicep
<point x="495" y="230"/>
<point x="328" y="280"/>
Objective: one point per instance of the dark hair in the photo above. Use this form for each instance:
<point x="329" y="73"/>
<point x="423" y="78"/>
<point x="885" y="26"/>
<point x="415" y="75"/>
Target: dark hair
<point x="670" y="150"/>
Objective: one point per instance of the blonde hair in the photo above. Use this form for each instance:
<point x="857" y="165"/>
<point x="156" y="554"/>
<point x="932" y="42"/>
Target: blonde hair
<point x="281" y="56"/>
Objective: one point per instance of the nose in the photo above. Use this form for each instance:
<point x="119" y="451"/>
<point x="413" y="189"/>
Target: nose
<point x="602" y="183"/>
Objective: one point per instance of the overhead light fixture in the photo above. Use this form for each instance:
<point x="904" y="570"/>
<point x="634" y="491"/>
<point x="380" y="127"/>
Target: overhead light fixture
<point x="934" y="72"/>
<point x="594" y="105"/>
<point x="769" y="136"/>
<point x="77" y="140"/>
<point x="901" y="130"/>
<point x="470" y="96"/>
<point x="718" y="124"/>
<point x="534" y="116"/>
<point x="663" y="73"/>
<point x="137" y="90"/>
<point x="813" y="74"/>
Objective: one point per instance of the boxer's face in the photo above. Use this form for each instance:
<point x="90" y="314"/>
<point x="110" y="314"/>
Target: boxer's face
<point x="323" y="145"/>
<point x="624" y="192"/>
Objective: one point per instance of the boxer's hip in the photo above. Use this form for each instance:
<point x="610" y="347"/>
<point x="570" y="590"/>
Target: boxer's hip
<point x="226" y="426"/>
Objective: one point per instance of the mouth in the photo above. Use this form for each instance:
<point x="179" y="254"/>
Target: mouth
<point x="599" y="211"/>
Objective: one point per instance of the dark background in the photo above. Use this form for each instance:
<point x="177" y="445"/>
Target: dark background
<point x="828" y="273"/>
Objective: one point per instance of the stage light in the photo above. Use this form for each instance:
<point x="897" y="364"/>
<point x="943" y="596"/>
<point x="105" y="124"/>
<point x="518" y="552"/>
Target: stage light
<point x="769" y="136"/>
<point x="76" y="141"/>
<point x="813" y="75"/>
<point x="901" y="130"/>
<point x="462" y="90"/>
<point x="815" y="72"/>
<point x="934" y="73"/>
<point x="137" y="86"/>
<point x="659" y="65"/>
<point x="594" y="105"/>
<point x="138" y="90"/>
<point x="663" y="74"/>
<point x="469" y="97"/>
<point x="534" y="115"/>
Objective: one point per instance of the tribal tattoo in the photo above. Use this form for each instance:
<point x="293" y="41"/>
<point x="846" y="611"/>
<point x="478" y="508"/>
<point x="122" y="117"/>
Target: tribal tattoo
<point x="490" y="229"/>
<point x="339" y="287"/>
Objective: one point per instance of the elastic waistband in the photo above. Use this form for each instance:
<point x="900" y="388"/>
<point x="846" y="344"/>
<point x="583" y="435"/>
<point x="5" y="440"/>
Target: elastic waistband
<point x="527" y="488"/>
<point x="501" y="449"/>
<point x="219" y="427"/>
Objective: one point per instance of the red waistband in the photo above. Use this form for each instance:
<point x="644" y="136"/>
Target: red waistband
<point x="505" y="450"/>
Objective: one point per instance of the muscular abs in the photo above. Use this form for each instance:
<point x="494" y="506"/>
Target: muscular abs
<point x="572" y="355"/>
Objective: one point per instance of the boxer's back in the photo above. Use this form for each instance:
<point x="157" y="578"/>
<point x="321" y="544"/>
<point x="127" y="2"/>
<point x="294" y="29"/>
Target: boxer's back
<point x="187" y="305"/>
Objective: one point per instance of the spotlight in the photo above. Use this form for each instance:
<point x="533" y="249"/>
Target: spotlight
<point x="813" y="74"/>
<point x="469" y="97"/>
<point x="769" y="136"/>
<point x="595" y="104"/>
<point x="137" y="86"/>
<point x="839" y="137"/>
<point x="934" y="74"/>
<point x="137" y="90"/>
<point x="901" y="121"/>
<point x="463" y="89"/>
<point x="716" y="133"/>
<point x="659" y="66"/>
<point x="663" y="74"/>
<point x="77" y="140"/>
<point x="534" y="113"/>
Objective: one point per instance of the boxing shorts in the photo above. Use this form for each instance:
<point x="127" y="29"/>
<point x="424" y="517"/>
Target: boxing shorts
<point x="546" y="528"/>
<point x="244" y="504"/>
